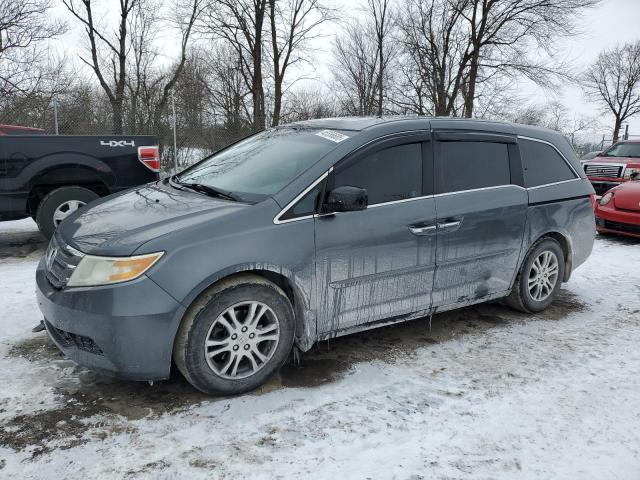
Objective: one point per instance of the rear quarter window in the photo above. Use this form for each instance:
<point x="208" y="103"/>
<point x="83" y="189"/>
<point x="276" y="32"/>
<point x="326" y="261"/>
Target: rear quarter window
<point x="542" y="164"/>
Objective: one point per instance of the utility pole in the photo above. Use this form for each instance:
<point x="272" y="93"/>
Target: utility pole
<point x="55" y="115"/>
<point x="626" y="132"/>
<point x="175" y="135"/>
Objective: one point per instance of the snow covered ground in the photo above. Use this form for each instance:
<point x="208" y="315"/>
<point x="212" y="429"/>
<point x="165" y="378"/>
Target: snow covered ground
<point x="485" y="393"/>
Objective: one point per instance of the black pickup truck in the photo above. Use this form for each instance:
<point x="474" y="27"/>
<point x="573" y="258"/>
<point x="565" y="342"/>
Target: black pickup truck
<point x="47" y="177"/>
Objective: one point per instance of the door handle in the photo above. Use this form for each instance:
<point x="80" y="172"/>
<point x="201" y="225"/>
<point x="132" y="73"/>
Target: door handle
<point x="422" y="230"/>
<point x="450" y="226"/>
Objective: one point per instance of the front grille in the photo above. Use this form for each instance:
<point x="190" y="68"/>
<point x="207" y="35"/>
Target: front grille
<point x="622" y="227"/>
<point x="603" y="170"/>
<point x="60" y="260"/>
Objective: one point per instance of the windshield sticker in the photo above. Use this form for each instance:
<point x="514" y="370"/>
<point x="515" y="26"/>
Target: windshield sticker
<point x="332" y="135"/>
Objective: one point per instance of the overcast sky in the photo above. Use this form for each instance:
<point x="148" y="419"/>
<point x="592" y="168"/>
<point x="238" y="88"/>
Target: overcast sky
<point x="613" y="22"/>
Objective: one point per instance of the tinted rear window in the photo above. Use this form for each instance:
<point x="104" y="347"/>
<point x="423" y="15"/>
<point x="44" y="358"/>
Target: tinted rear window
<point x="471" y="165"/>
<point x="542" y="164"/>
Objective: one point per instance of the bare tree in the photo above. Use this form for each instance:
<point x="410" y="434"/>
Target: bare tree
<point x="553" y="115"/>
<point x="355" y="69"/>
<point x="240" y="23"/>
<point x="142" y="82"/>
<point x="614" y="80"/>
<point x="109" y="52"/>
<point x="383" y="24"/>
<point x="308" y="103"/>
<point x="228" y="92"/>
<point x="502" y="33"/>
<point x="116" y="61"/>
<point x="294" y="23"/>
<point x="185" y="15"/>
<point x="25" y="26"/>
<point x="437" y="52"/>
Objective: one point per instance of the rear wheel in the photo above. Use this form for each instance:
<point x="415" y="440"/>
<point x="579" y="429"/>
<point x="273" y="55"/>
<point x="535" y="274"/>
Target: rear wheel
<point x="539" y="279"/>
<point x="58" y="204"/>
<point x="235" y="336"/>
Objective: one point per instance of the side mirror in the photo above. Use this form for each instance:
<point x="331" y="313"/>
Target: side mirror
<point x="634" y="175"/>
<point x="346" y="199"/>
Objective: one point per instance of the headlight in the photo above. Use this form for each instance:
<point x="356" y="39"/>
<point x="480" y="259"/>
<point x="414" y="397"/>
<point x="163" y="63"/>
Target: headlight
<point x="92" y="271"/>
<point x="606" y="198"/>
<point x="630" y="171"/>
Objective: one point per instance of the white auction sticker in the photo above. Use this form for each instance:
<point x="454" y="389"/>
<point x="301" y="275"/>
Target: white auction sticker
<point x="332" y="135"/>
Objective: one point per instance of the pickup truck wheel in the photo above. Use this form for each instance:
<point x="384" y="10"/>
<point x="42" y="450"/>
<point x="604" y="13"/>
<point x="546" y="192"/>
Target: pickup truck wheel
<point x="58" y="204"/>
<point x="539" y="279"/>
<point x="235" y="336"/>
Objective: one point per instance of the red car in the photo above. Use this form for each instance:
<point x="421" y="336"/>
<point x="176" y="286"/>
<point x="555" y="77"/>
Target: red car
<point x="613" y="166"/>
<point x="16" y="130"/>
<point x="618" y="211"/>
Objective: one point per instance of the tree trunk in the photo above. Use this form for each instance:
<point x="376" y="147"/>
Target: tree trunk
<point x="257" y="89"/>
<point x="116" y="107"/>
<point x="469" y="98"/>
<point x="277" y="102"/>
<point x="616" y="129"/>
<point x="380" y="76"/>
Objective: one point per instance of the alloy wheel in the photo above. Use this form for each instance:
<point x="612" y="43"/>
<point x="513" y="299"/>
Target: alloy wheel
<point x="242" y="340"/>
<point x="543" y="276"/>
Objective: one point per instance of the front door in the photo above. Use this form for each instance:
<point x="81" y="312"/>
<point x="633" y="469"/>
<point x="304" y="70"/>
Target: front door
<point x="379" y="262"/>
<point x="482" y="209"/>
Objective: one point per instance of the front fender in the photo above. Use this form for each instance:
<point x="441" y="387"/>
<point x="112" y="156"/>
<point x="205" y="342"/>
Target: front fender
<point x="246" y="241"/>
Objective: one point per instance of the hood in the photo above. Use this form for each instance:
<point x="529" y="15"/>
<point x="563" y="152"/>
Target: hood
<point x="119" y="224"/>
<point x="627" y="196"/>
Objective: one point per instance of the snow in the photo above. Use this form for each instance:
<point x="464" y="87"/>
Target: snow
<point x="487" y="393"/>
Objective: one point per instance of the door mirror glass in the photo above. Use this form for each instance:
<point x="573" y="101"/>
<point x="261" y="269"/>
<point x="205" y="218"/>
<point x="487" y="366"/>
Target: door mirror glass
<point x="346" y="199"/>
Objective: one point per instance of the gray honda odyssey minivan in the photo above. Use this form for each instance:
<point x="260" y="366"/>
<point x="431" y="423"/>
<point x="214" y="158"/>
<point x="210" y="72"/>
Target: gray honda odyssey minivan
<point x="309" y="231"/>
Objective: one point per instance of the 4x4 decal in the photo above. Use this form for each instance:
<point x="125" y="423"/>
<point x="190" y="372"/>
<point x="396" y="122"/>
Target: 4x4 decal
<point x="117" y="143"/>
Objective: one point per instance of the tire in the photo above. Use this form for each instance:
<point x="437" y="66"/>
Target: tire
<point x="204" y="367"/>
<point x="523" y="294"/>
<point x="57" y="199"/>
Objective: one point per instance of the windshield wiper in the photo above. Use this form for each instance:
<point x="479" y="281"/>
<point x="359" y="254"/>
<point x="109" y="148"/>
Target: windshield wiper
<point x="212" y="191"/>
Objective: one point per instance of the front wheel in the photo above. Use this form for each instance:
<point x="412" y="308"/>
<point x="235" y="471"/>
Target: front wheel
<point x="235" y="336"/>
<point x="58" y="204"/>
<point x="539" y="279"/>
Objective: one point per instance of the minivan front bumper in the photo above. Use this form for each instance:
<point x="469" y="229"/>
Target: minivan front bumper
<point x="126" y="330"/>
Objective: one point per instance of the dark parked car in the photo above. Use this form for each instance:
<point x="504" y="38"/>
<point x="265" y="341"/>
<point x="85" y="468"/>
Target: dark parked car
<point x="47" y="177"/>
<point x="311" y="231"/>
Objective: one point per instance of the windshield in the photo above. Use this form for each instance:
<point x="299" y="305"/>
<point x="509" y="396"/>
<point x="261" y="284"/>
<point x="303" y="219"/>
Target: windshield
<point x="262" y="164"/>
<point x="630" y="149"/>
